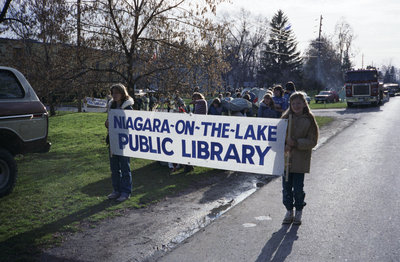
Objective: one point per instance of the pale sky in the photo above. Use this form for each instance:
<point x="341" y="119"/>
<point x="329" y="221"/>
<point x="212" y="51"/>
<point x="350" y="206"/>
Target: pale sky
<point x="376" y="24"/>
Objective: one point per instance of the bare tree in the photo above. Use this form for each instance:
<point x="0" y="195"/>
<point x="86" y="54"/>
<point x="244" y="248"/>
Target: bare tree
<point x="84" y="46"/>
<point x="43" y="33"/>
<point x="345" y="36"/>
<point x="246" y="33"/>
<point x="3" y="14"/>
<point x="4" y="11"/>
<point x="142" y="30"/>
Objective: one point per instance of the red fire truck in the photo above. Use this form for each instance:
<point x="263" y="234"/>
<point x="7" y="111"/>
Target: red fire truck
<point x="363" y="87"/>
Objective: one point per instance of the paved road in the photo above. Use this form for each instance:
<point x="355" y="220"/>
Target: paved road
<point x="353" y="204"/>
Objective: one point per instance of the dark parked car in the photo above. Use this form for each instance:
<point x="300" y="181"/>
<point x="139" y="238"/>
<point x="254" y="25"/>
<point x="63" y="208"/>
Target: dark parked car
<point x="327" y="97"/>
<point x="23" y="124"/>
<point x="391" y="88"/>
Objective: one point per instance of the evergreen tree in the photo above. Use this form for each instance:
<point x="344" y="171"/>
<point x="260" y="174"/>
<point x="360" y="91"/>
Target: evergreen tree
<point x="390" y="75"/>
<point x="346" y="63"/>
<point x="280" y="61"/>
<point x="393" y="74"/>
<point x="387" y="78"/>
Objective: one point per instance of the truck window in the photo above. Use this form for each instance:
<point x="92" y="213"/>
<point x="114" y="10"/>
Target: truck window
<point x="361" y="76"/>
<point x="10" y="87"/>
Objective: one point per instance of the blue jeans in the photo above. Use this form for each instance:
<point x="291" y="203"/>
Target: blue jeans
<point x="292" y="191"/>
<point x="121" y="174"/>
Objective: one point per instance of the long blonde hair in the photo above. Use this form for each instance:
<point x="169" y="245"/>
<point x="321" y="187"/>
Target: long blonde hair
<point x="306" y="109"/>
<point x="197" y="95"/>
<point x="271" y="101"/>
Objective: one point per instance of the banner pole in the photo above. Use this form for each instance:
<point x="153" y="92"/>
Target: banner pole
<point x="288" y="153"/>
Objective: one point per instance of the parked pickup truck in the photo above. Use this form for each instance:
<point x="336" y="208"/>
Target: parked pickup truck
<point x="23" y="124"/>
<point x="327" y="97"/>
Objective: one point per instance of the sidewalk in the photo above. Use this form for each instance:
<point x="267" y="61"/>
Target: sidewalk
<point x="185" y="222"/>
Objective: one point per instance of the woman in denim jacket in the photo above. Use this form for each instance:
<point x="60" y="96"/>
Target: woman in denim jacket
<point x="121" y="176"/>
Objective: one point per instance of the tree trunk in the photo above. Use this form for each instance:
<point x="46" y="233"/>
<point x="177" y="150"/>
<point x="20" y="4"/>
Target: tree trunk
<point x="79" y="104"/>
<point x="52" y="110"/>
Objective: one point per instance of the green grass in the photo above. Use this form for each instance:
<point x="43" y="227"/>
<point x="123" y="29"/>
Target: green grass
<point x="61" y="190"/>
<point x="58" y="190"/>
<point x="323" y="120"/>
<point x="313" y="105"/>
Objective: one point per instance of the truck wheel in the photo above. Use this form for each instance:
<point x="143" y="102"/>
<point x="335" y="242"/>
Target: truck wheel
<point x="8" y="172"/>
<point x="349" y="104"/>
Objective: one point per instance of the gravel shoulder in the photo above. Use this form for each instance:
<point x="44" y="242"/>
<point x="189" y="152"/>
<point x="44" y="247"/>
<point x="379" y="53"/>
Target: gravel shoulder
<point x="148" y="233"/>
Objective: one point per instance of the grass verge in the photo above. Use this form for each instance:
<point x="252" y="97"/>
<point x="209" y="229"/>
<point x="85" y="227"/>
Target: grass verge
<point x="314" y="105"/>
<point x="58" y="191"/>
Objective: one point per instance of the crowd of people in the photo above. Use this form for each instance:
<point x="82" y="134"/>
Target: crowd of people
<point x="273" y="104"/>
<point x="277" y="102"/>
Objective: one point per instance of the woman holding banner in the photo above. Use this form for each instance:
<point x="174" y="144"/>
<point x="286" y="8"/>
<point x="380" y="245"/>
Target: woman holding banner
<point x="120" y="167"/>
<point x="303" y="130"/>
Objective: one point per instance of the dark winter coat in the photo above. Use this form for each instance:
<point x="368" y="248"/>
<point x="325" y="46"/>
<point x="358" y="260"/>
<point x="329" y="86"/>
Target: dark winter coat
<point x="266" y="111"/>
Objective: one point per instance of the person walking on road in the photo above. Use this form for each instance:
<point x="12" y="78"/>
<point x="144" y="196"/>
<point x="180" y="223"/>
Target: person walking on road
<point x="121" y="176"/>
<point x="304" y="137"/>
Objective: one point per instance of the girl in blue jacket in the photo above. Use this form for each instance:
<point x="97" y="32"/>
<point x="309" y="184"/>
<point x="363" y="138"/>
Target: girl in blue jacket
<point x="267" y="107"/>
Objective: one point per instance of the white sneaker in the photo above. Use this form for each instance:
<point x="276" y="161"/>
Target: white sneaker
<point x="114" y="195"/>
<point x="288" y="219"/>
<point x="297" y="217"/>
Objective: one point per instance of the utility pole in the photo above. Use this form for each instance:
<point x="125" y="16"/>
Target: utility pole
<point x="362" y="61"/>
<point x="78" y="48"/>
<point x="319" y="50"/>
<point x="320" y="29"/>
<point x="78" y="24"/>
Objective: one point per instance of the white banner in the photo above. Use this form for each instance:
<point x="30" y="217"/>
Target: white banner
<point x="247" y="144"/>
<point x="96" y="102"/>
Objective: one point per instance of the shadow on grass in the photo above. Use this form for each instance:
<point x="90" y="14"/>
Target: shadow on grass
<point x="153" y="181"/>
<point x="146" y="179"/>
<point x="100" y="188"/>
<point x="154" y="185"/>
<point x="23" y="247"/>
